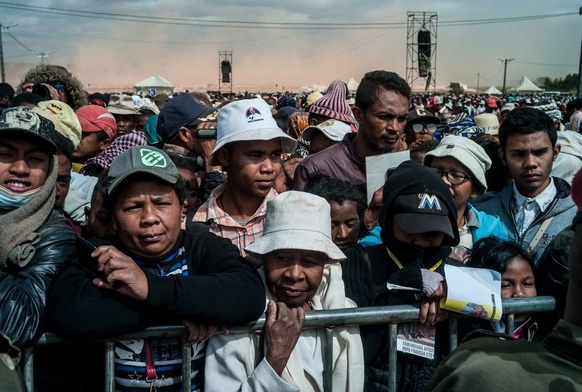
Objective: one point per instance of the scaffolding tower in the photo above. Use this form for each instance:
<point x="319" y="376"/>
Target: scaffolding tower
<point x="225" y="71"/>
<point x="421" y="48"/>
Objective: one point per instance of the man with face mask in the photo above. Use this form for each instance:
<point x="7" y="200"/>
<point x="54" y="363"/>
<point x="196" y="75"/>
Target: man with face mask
<point x="419" y="224"/>
<point x="37" y="242"/>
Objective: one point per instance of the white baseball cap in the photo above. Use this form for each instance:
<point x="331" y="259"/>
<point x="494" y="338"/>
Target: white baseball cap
<point x="332" y="129"/>
<point x="246" y="120"/>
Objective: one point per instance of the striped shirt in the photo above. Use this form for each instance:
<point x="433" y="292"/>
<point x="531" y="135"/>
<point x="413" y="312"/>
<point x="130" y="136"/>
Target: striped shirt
<point x="130" y="361"/>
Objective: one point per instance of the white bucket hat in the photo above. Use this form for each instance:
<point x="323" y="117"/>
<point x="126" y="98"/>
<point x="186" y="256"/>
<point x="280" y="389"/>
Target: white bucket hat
<point x="466" y="151"/>
<point x="297" y="220"/>
<point x="246" y="120"/>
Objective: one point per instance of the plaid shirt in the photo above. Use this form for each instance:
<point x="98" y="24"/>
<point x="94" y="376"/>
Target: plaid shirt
<point x="224" y="226"/>
<point x="119" y="145"/>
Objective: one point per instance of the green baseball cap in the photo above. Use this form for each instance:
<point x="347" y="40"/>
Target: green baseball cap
<point x="141" y="159"/>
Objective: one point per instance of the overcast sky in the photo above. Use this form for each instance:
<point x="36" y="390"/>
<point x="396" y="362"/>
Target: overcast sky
<point x="106" y="52"/>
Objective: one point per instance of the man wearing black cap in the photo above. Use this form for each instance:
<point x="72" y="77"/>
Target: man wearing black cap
<point x="36" y="241"/>
<point x="187" y="127"/>
<point x="186" y="122"/>
<point x="419" y="224"/>
<point x="421" y="124"/>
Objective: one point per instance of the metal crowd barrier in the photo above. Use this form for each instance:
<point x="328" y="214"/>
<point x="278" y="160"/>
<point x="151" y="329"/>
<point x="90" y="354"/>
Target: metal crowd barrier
<point x="328" y="319"/>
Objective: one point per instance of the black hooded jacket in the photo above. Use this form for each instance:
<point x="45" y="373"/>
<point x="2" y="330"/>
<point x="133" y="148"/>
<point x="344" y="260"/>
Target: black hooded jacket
<point x="367" y="270"/>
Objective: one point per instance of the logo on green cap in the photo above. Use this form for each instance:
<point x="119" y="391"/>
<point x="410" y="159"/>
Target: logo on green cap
<point x="151" y="158"/>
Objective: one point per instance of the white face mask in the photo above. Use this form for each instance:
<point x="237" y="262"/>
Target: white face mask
<point x="10" y="200"/>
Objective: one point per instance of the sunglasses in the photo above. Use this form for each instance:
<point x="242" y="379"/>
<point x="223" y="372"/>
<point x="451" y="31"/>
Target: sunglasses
<point x="206" y="133"/>
<point x="419" y="127"/>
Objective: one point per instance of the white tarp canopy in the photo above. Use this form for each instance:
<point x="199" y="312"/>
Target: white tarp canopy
<point x="525" y="86"/>
<point x="353" y="85"/>
<point x="492" y="91"/>
<point x="153" y="86"/>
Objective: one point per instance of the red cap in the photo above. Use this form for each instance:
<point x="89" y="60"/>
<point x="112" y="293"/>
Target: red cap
<point x="491" y="102"/>
<point x="94" y="118"/>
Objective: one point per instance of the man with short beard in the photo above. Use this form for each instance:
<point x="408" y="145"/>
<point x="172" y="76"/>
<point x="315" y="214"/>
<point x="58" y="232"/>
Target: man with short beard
<point x="382" y="102"/>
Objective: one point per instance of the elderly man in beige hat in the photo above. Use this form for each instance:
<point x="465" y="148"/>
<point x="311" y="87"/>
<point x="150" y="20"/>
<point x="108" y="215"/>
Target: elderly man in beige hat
<point x="123" y="109"/>
<point x="302" y="273"/>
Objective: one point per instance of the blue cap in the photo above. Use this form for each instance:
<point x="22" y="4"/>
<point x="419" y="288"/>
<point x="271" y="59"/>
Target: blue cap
<point x="182" y="111"/>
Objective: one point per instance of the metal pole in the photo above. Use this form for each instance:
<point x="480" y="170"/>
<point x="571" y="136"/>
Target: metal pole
<point x="2" y="56"/>
<point x="505" y="73"/>
<point x="478" y="75"/>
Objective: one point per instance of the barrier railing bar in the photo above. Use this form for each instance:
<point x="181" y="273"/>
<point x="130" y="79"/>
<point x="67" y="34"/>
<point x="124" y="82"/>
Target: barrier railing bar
<point x="328" y="359"/>
<point x="186" y="365"/>
<point x="391" y="315"/>
<point x="392" y="357"/>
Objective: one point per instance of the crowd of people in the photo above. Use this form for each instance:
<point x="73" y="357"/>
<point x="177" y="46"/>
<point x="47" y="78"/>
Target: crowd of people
<point x="120" y="212"/>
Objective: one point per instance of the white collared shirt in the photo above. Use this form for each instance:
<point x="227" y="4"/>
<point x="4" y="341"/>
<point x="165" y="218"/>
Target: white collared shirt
<point x="527" y="208"/>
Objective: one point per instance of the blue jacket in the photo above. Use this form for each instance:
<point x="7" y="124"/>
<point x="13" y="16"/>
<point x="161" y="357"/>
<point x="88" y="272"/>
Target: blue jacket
<point x="489" y="225"/>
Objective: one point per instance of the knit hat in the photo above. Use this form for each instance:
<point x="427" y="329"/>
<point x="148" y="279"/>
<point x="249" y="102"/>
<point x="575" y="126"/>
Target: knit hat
<point x="489" y="122"/>
<point x="297" y="220"/>
<point x="331" y="129"/>
<point x="94" y="118"/>
<point x="23" y="120"/>
<point x="247" y="120"/>
<point x="467" y="152"/>
<point x="333" y="104"/>
<point x="141" y="159"/>
<point x="64" y="118"/>
<point x="121" y="104"/>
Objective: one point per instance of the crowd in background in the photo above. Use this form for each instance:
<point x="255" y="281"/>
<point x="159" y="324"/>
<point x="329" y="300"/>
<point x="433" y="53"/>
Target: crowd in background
<point x="122" y="212"/>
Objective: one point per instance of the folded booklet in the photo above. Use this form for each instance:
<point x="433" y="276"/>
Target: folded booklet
<point x="474" y="292"/>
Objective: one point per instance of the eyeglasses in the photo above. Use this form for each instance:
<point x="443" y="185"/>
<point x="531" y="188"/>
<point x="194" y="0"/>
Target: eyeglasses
<point x="59" y="86"/>
<point x="454" y="177"/>
<point x="419" y="127"/>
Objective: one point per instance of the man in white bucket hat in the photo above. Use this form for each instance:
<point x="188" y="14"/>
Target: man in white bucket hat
<point x="249" y="147"/>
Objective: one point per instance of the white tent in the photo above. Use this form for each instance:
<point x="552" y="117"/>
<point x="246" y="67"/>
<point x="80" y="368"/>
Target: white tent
<point x="353" y="85"/>
<point x="492" y="91"/>
<point x="153" y="85"/>
<point x="525" y="86"/>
